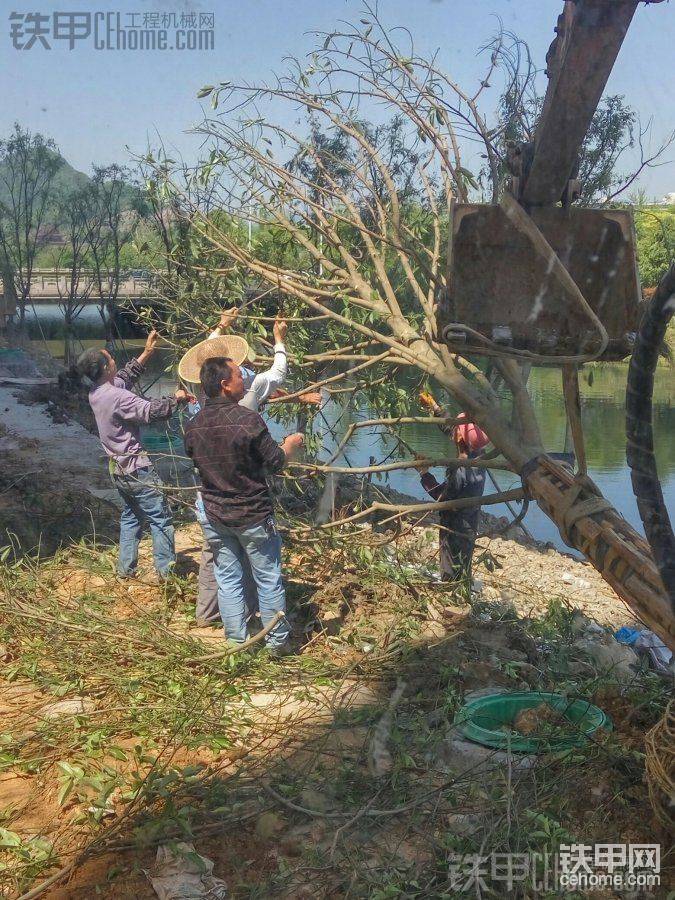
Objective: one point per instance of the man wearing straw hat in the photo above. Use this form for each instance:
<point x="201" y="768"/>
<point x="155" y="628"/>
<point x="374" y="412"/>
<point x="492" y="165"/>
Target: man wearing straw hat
<point x="119" y="413"/>
<point x="234" y="452"/>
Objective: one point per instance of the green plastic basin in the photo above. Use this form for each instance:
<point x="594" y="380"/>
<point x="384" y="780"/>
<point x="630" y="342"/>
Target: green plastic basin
<point x="482" y="721"/>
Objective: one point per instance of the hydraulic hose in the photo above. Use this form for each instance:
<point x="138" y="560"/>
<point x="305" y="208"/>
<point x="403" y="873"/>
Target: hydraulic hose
<point x="640" y="432"/>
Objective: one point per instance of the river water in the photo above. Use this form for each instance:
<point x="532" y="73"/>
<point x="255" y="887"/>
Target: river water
<point x="603" y="414"/>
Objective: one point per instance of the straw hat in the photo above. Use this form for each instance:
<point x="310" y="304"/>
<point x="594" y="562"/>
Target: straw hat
<point x="231" y="345"/>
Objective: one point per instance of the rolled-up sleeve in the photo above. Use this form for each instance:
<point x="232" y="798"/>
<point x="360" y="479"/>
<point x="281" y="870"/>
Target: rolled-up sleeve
<point x="266" y="383"/>
<point x="279" y="369"/>
<point x="129" y="374"/>
<point x="162" y="408"/>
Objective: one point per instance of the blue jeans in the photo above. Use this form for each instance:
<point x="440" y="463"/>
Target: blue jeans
<point x="144" y="502"/>
<point x="261" y="544"/>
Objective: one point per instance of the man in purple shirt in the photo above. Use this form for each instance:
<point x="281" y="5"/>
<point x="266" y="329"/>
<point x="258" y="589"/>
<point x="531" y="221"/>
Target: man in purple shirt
<point x="119" y="413"/>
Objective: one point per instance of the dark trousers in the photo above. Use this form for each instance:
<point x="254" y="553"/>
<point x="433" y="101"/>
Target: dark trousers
<point x="456" y="554"/>
<point x="207" y="588"/>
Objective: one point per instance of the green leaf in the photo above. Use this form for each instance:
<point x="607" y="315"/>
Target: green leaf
<point x="64" y="792"/>
<point x="117" y="753"/>
<point x="468" y="176"/>
<point x="9" y="838"/>
<point x="205" y="91"/>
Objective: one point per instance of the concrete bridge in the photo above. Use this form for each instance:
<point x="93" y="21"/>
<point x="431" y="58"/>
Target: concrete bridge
<point x="50" y="286"/>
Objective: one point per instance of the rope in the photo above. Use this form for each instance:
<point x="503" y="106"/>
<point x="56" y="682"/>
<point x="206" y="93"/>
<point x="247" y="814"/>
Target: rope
<point x="660" y="767"/>
<point x="573" y="509"/>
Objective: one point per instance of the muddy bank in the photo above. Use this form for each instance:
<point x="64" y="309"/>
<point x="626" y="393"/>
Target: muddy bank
<point x="43" y="507"/>
<point x="53" y="483"/>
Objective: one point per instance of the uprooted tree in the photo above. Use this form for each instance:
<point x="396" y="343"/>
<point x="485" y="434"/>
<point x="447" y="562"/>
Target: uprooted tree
<point x="348" y="224"/>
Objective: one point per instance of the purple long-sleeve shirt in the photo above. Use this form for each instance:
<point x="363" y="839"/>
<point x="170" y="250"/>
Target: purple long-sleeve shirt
<point x="119" y="413"/>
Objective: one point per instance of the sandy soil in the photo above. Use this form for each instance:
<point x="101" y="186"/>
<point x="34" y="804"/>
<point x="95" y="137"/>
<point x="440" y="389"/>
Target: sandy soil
<point x="529" y="577"/>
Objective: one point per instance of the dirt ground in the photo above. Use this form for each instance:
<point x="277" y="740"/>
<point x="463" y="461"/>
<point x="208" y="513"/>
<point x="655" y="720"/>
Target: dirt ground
<point x="284" y="799"/>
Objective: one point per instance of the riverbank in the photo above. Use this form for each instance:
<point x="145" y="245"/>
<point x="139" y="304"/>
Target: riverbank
<point x="53" y="482"/>
<point x="603" y="413"/>
<point x="56" y="470"/>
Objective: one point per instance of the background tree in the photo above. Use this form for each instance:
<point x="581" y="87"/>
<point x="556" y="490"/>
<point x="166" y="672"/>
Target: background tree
<point x="655" y="227"/>
<point x="116" y="209"/>
<point x="76" y="215"/>
<point x="189" y="293"/>
<point x="614" y="129"/>
<point x="29" y="164"/>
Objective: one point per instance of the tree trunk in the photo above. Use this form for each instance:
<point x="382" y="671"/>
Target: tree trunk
<point x="325" y="508"/>
<point x="588" y="523"/>
<point x="9" y="291"/>
<point x="69" y="355"/>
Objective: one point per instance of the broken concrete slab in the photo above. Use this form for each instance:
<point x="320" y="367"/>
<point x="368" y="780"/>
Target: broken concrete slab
<point x="458" y="756"/>
<point x="74" y="706"/>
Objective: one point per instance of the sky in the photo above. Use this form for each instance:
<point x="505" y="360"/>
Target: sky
<point x="100" y="104"/>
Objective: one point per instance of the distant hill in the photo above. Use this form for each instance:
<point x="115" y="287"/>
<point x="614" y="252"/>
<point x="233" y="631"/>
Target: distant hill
<point x="66" y="181"/>
<point x="69" y="179"/>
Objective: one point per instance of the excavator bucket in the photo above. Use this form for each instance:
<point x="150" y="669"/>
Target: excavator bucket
<point x="501" y="286"/>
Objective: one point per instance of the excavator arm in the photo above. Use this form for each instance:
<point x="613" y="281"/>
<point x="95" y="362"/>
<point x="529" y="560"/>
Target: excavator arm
<point x="589" y="35"/>
<point x="500" y="282"/>
<point x="553" y="283"/>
